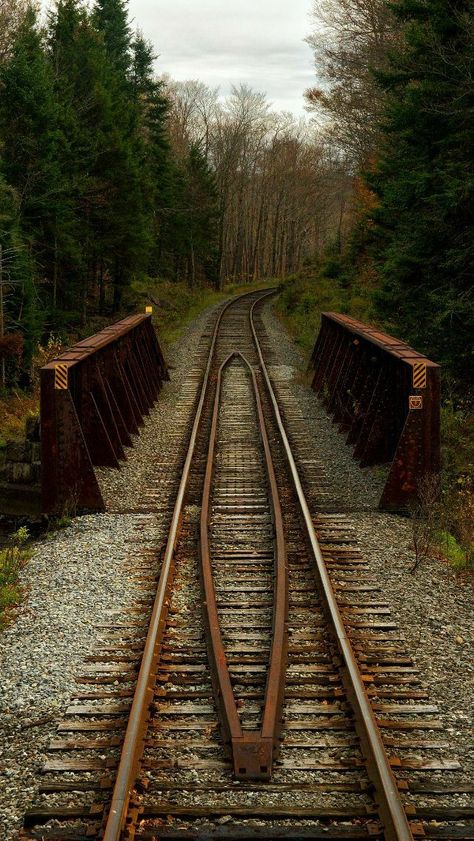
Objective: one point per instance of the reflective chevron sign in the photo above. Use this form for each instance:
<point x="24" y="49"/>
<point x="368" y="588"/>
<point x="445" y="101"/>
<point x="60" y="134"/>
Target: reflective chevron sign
<point x="419" y="375"/>
<point x="60" y="377"/>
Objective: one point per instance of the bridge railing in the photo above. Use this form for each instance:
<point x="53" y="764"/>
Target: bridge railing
<point x="386" y="397"/>
<point x="93" y="399"/>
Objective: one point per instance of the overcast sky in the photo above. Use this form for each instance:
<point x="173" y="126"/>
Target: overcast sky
<point x="225" y="42"/>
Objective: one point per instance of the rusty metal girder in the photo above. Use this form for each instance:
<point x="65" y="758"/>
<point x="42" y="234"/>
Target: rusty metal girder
<point x="386" y="397"/>
<point x="93" y="399"/>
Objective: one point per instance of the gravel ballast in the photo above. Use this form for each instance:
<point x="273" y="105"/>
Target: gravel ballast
<point x="79" y="576"/>
<point x="433" y="605"/>
<point x="76" y="579"/>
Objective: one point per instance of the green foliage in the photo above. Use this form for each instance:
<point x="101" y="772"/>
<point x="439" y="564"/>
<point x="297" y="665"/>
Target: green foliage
<point x="325" y="286"/>
<point x="424" y="181"/>
<point x="59" y="523"/>
<point x="110" y="18"/>
<point x="176" y="304"/>
<point x="12" y="559"/>
<point x="457" y="423"/>
<point x="91" y="196"/>
<point x="31" y="141"/>
<point x="302" y="299"/>
<point x="451" y="550"/>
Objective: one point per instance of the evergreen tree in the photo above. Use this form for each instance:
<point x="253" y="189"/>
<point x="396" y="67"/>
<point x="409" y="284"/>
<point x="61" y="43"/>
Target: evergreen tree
<point x="80" y="72"/>
<point x="32" y="139"/>
<point x="125" y="223"/>
<point x="424" y="181"/>
<point x="110" y="18"/>
<point x="152" y="109"/>
<point x="203" y="217"/>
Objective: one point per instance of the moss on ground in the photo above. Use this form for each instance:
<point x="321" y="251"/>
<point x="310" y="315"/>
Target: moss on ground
<point x="175" y="305"/>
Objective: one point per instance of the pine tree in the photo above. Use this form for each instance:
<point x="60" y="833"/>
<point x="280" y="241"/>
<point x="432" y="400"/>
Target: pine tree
<point x="110" y="18"/>
<point x="32" y="138"/>
<point x="152" y="109"/>
<point x="203" y="217"/>
<point x="125" y="220"/>
<point x="425" y="183"/>
<point x="80" y="72"/>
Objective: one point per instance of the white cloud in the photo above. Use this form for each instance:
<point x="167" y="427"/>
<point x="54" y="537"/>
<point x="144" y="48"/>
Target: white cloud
<point x="259" y="42"/>
<point x="225" y="43"/>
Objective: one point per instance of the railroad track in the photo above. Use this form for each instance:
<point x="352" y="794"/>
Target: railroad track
<point x="263" y="690"/>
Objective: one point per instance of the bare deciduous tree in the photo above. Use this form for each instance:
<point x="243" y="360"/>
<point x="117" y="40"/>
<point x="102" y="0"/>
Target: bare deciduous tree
<point x="350" y="38"/>
<point x="282" y="193"/>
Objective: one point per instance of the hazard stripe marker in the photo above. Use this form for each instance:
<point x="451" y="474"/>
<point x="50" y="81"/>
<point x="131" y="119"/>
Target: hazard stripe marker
<point x="61" y="377"/>
<point x="419" y="375"/>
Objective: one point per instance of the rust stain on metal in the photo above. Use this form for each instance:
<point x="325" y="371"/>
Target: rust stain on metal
<point x="367" y="378"/>
<point x="390" y="806"/>
<point x="110" y="380"/>
<point x="133" y="745"/>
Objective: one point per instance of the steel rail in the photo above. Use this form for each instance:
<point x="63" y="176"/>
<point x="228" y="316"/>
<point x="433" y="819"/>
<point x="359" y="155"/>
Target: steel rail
<point x="389" y="803"/>
<point x="132" y="749"/>
<point x="253" y="751"/>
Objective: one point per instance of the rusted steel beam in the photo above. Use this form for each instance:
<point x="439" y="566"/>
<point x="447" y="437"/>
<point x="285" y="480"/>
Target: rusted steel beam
<point x="93" y="399"/>
<point x="253" y="752"/>
<point x="386" y="397"/>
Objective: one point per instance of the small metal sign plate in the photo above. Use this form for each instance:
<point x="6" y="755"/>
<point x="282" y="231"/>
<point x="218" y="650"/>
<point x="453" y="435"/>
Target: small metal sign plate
<point x="415" y="401"/>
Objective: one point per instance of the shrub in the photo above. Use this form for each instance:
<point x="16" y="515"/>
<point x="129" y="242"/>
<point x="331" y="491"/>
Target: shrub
<point x="12" y="560"/>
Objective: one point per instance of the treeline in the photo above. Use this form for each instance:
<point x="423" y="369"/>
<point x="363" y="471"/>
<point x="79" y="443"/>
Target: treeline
<point x="280" y="186"/>
<point x="91" y="192"/>
<point x="109" y="173"/>
<point x="396" y="97"/>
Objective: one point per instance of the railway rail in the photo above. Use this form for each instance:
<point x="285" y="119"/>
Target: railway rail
<point x="266" y="693"/>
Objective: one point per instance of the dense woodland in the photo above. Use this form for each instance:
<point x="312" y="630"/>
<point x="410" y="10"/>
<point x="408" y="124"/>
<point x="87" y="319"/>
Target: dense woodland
<point x="91" y="193"/>
<point x="396" y="97"/>
<point x="114" y="178"/>
<point x="109" y="173"/>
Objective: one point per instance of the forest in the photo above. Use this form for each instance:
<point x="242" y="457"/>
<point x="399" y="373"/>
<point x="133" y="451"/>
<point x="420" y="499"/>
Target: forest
<point x="113" y="176"/>
<point x="110" y="174"/>
<point x="396" y="97"/>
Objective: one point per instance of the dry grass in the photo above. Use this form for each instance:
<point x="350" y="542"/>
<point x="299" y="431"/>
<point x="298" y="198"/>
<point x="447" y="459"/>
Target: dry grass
<point x="14" y="409"/>
<point x="12" y="560"/>
<point x="17" y="405"/>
